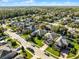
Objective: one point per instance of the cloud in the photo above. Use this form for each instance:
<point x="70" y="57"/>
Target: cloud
<point x="36" y="3"/>
<point x="67" y="3"/>
<point x="24" y="3"/>
<point x="16" y="3"/>
<point x="29" y="1"/>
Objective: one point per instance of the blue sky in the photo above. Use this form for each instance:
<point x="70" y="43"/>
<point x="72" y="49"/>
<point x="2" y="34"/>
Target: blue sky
<point x="39" y="2"/>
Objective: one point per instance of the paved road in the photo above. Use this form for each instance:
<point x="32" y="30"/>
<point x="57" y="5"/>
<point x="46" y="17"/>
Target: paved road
<point x="69" y="28"/>
<point x="65" y="56"/>
<point x="23" y="42"/>
<point x="44" y="47"/>
<point x="39" y="52"/>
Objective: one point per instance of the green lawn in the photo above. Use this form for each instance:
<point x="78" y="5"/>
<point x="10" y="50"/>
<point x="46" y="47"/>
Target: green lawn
<point x="52" y="51"/>
<point x="76" y="46"/>
<point x="14" y="43"/>
<point x="8" y="27"/>
<point x="70" y="55"/>
<point x="39" y="42"/>
<point x="77" y="57"/>
<point x="25" y="36"/>
<point x="29" y="56"/>
<point x="26" y="53"/>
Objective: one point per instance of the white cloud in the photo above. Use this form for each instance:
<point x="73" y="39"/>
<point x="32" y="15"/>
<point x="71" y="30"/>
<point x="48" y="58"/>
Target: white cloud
<point x="24" y="3"/>
<point x="20" y="3"/>
<point x="34" y="3"/>
<point x="58" y="4"/>
<point x="28" y="1"/>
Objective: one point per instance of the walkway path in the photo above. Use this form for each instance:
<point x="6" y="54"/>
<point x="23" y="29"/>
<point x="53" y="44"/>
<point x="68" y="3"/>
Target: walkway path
<point x="69" y="28"/>
<point x="44" y="47"/>
<point x="39" y="52"/>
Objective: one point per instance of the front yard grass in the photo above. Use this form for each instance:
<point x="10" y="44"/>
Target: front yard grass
<point x="8" y="27"/>
<point x="53" y="52"/>
<point x="14" y="43"/>
<point x="70" y="55"/>
<point x="29" y="56"/>
<point x="25" y="36"/>
<point x="26" y="53"/>
<point x="38" y="42"/>
<point x="77" y="57"/>
<point x="76" y="46"/>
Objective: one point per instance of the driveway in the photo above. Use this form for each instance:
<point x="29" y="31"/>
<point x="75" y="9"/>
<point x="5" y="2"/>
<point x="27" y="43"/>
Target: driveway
<point x="39" y="52"/>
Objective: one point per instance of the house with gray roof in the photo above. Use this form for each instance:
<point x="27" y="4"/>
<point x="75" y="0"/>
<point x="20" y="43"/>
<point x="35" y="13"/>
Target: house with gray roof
<point x="3" y="53"/>
<point x="10" y="55"/>
<point x="61" y="43"/>
<point x="39" y="32"/>
<point x="50" y="37"/>
<point x="19" y="57"/>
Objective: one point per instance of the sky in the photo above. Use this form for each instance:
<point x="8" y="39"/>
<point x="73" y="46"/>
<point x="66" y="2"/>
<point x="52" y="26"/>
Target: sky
<point x="39" y="2"/>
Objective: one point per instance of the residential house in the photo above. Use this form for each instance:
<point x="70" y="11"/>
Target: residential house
<point x="19" y="57"/>
<point x="62" y="43"/>
<point x="39" y="32"/>
<point x="50" y="37"/>
<point x="10" y="55"/>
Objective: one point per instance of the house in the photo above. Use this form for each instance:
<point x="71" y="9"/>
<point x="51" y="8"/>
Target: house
<point x="29" y="20"/>
<point x="1" y="38"/>
<point x="39" y="32"/>
<point x="72" y="31"/>
<point x="1" y="23"/>
<point x="19" y="57"/>
<point x="75" y="18"/>
<point x="62" y="43"/>
<point x="10" y="55"/>
<point x="32" y="28"/>
<point x="3" y="52"/>
<point x="3" y="43"/>
<point x="76" y="21"/>
<point x="50" y="37"/>
<point x="48" y="27"/>
<point x="6" y="51"/>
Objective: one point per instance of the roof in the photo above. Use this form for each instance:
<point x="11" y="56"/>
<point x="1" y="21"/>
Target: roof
<point x="77" y="21"/>
<point x="51" y="35"/>
<point x="39" y="32"/>
<point x="62" y="42"/>
<point x="19" y="57"/>
<point x="3" y="53"/>
<point x="10" y="55"/>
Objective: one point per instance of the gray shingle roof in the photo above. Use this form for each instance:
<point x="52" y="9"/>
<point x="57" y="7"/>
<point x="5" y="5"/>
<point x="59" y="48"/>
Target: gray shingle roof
<point x="10" y="55"/>
<point x="3" y="53"/>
